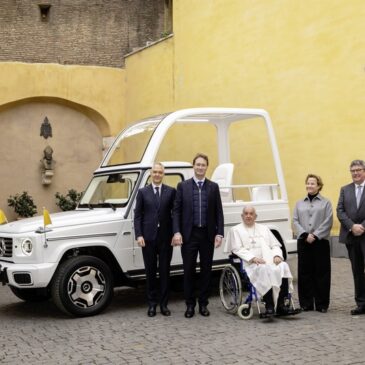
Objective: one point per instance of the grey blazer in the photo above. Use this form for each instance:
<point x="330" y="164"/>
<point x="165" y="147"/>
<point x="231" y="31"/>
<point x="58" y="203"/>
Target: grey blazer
<point x="313" y="217"/>
<point x="348" y="214"/>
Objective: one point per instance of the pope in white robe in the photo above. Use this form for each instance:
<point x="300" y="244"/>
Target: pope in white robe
<point x="261" y="252"/>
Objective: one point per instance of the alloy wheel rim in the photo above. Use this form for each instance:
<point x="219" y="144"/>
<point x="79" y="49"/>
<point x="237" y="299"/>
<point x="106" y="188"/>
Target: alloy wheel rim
<point x="86" y="287"/>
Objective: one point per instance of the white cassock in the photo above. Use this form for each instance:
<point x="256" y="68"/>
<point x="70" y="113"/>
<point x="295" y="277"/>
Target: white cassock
<point x="258" y="241"/>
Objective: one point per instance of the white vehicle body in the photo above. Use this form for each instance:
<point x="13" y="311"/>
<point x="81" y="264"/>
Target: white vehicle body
<point x="84" y="253"/>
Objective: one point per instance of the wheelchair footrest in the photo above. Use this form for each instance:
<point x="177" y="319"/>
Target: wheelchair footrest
<point x="288" y="312"/>
<point x="266" y="315"/>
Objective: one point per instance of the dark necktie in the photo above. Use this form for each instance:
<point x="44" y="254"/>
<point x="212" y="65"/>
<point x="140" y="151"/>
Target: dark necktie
<point x="157" y="196"/>
<point x="200" y="183"/>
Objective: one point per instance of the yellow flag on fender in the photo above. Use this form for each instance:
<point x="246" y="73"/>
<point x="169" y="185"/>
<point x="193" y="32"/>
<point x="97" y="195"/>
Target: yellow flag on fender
<point x="3" y="218"/>
<point x="46" y="217"/>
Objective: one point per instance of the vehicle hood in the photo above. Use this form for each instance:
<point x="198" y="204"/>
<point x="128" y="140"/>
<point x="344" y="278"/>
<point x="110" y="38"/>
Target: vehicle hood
<point x="64" y="219"/>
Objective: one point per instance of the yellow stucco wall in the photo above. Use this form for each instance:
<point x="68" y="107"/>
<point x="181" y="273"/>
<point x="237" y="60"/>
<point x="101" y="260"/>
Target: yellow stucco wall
<point x="149" y="81"/>
<point x="97" y="91"/>
<point x="301" y="61"/>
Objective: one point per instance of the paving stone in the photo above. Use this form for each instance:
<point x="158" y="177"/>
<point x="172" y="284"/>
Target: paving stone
<point x="38" y="333"/>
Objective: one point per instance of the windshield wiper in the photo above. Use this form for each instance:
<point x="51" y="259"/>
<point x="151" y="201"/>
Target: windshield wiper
<point x="112" y="206"/>
<point x="89" y="206"/>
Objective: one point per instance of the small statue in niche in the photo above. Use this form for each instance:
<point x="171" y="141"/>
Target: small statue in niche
<point x="46" y="129"/>
<point x="47" y="165"/>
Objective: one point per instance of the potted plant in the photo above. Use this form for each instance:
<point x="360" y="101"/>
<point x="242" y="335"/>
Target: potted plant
<point x="23" y="205"/>
<point x="68" y="202"/>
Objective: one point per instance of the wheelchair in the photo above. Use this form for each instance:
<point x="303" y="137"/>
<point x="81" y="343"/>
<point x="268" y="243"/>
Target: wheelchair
<point x="238" y="294"/>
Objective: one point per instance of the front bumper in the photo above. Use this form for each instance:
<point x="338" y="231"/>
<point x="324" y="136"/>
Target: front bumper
<point x="26" y="275"/>
<point x="3" y="275"/>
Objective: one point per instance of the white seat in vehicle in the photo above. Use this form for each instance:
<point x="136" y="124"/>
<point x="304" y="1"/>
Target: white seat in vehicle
<point x="262" y="193"/>
<point x="223" y="176"/>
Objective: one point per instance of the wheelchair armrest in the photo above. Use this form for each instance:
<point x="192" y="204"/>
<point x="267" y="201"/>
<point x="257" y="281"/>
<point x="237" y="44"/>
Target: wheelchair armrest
<point x="234" y="259"/>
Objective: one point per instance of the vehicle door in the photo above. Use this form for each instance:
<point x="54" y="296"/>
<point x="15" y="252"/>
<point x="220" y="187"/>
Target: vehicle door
<point x="171" y="179"/>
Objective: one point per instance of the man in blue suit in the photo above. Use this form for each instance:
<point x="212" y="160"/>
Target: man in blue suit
<point x="153" y="230"/>
<point x="351" y="214"/>
<point x="198" y="229"/>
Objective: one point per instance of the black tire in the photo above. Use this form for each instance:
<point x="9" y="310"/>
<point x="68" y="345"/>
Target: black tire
<point x="82" y="286"/>
<point x="31" y="294"/>
<point x="230" y="289"/>
<point x="283" y="248"/>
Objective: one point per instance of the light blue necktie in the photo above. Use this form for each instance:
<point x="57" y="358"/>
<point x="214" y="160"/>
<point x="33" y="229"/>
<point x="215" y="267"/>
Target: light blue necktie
<point x="358" y="195"/>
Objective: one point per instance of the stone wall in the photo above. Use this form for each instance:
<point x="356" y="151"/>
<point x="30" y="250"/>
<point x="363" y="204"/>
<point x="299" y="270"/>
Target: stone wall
<point x="83" y="32"/>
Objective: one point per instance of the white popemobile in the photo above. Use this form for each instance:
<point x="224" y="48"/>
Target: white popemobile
<point x="85" y="253"/>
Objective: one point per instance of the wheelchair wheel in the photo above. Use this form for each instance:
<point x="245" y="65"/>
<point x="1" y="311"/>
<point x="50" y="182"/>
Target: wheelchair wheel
<point x="230" y="289"/>
<point x="245" y="311"/>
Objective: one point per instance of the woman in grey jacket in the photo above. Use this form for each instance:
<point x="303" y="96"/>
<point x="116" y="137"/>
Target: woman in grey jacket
<point x="312" y="221"/>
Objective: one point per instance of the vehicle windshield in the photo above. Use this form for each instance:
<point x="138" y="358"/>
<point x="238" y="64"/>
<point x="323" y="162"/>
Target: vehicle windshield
<point x="113" y="190"/>
<point x="131" y="143"/>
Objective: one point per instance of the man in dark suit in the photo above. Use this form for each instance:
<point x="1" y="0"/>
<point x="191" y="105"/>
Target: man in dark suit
<point x="351" y="214"/>
<point x="153" y="230"/>
<point x="198" y="228"/>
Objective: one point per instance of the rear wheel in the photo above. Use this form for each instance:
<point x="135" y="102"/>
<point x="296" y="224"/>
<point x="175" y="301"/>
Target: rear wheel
<point x="32" y="294"/>
<point x="82" y="286"/>
<point x="230" y="289"/>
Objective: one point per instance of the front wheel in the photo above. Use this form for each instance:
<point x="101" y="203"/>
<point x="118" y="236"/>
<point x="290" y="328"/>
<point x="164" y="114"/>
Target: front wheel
<point x="82" y="286"/>
<point x="245" y="311"/>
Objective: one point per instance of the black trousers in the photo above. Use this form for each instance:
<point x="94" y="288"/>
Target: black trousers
<point x="314" y="274"/>
<point x="284" y="291"/>
<point x="157" y="255"/>
<point x="199" y="244"/>
<point x="356" y="252"/>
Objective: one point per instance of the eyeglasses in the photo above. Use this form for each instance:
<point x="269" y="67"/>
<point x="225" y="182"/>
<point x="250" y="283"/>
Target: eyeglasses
<point x="355" y="171"/>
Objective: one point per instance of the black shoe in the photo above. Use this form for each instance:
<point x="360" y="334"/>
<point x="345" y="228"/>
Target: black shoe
<point x="190" y="311"/>
<point x="165" y="311"/>
<point x="151" y="311"/>
<point x="282" y="311"/>
<point x="306" y="309"/>
<point x="287" y="311"/>
<point x="269" y="312"/>
<point x="357" y="311"/>
<point x="203" y="310"/>
<point x="321" y="310"/>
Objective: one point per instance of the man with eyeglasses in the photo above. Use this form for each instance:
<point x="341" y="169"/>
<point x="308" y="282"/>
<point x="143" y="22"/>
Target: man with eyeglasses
<point x="351" y="214"/>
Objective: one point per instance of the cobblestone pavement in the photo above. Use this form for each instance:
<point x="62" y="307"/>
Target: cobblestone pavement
<point x="37" y="333"/>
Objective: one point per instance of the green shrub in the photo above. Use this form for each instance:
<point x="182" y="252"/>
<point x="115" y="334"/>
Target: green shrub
<point x="23" y="204"/>
<point x="68" y="202"/>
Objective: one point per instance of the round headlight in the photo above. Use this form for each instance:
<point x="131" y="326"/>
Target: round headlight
<point x="27" y="246"/>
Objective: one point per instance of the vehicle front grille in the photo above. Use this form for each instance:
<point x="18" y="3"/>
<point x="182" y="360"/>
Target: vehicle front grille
<point x="6" y="247"/>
